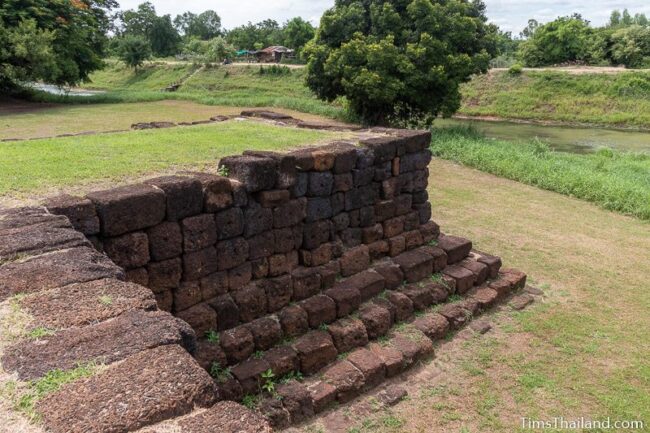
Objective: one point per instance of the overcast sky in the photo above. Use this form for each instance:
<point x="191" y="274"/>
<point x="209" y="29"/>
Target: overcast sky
<point x="508" y="14"/>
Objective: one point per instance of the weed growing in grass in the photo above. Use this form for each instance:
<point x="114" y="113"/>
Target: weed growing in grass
<point x="106" y="300"/>
<point x="292" y="375"/>
<point x="40" y="332"/>
<point x="37" y="389"/>
<point x="223" y="171"/>
<point x="219" y="373"/>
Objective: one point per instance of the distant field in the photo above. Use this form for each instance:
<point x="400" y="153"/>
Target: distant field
<point x="240" y="86"/>
<point x="606" y="99"/>
<point x="37" y="168"/>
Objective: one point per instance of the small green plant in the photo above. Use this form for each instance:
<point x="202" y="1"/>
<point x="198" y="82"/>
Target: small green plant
<point x="258" y="354"/>
<point x="292" y="375"/>
<point x="106" y="300"/>
<point x="433" y="243"/>
<point x="455" y="298"/>
<point x="343" y="355"/>
<point x="250" y="401"/>
<point x="219" y="373"/>
<point x="516" y="69"/>
<point x="323" y="327"/>
<point x="40" y="332"/>
<point x="223" y="171"/>
<point x="268" y="381"/>
<point x="212" y="336"/>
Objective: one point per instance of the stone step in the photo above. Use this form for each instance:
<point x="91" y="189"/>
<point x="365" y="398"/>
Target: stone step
<point x="85" y="303"/>
<point x="223" y="417"/>
<point x="56" y="269"/>
<point x="144" y="389"/>
<point x="364" y="368"/>
<point x="105" y="343"/>
<point x="373" y="319"/>
<point x="38" y="239"/>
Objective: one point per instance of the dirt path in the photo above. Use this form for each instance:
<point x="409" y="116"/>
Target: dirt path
<point x="578" y="70"/>
<point x="581" y="352"/>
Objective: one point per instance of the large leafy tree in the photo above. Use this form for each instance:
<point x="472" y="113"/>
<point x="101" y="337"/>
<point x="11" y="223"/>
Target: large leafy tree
<point x="297" y="32"/>
<point x="143" y="22"/>
<point x="57" y="41"/>
<point x="134" y="50"/>
<point x="401" y="61"/>
<point x="204" y="26"/>
<point x="566" y="39"/>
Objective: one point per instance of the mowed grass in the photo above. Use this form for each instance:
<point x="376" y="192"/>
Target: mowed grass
<point x="581" y="351"/>
<point x="606" y="99"/>
<point x="233" y="85"/>
<point x="36" y="120"/>
<point x="614" y="180"/>
<point x="36" y="167"/>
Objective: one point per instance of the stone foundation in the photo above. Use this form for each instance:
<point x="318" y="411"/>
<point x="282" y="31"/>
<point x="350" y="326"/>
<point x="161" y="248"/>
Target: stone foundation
<point x="294" y="264"/>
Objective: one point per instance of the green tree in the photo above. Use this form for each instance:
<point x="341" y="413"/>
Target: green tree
<point x="262" y="34"/>
<point x="163" y="37"/>
<point x="399" y="62"/>
<point x="296" y="33"/>
<point x="143" y="22"/>
<point x="134" y="50"/>
<point x="204" y="26"/>
<point x="631" y="46"/>
<point x="565" y="39"/>
<point x="219" y="50"/>
<point x="59" y="42"/>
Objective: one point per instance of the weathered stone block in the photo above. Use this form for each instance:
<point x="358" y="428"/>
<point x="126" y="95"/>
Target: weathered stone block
<point x="343" y="182"/>
<point x="257" y="220"/>
<point x="464" y="278"/>
<point x="348" y="334"/>
<point x="456" y="248"/>
<point x="318" y="209"/>
<point x="232" y="253"/>
<point x="346" y="297"/>
<point x="282" y="360"/>
<point x="256" y="173"/>
<point x="316" y="257"/>
<point x="214" y="285"/>
<point x="164" y="275"/>
<point x="320" y="309"/>
<point x="306" y="283"/>
<point x="370" y="365"/>
<point x="396" y="245"/>
<point x="249" y="374"/>
<point x="383" y="148"/>
<point x="237" y="343"/>
<point x="393" y="227"/>
<point x="279" y="291"/>
<point x="229" y="223"/>
<point x="297" y="400"/>
<point x="199" y="232"/>
<point x="187" y="295"/>
<point x="403" y="305"/>
<point x="480" y="270"/>
<point x="320" y="184"/>
<point x="294" y="321"/>
<point x="355" y="260"/>
<point x="184" y="195"/>
<point x="81" y="212"/>
<point x="251" y="301"/>
<point x="346" y="378"/>
<point x="200" y="317"/>
<point x="199" y="264"/>
<point x="240" y="276"/>
<point x="322" y="394"/>
<point x="376" y="319"/>
<point x="315" y="350"/>
<point x="392" y="358"/>
<point x="416" y="265"/>
<point x="128" y="251"/>
<point x="227" y="312"/>
<point x="273" y="198"/>
<point x="266" y="332"/>
<point x="392" y="274"/>
<point x="129" y="208"/>
<point x="434" y="326"/>
<point x="378" y="249"/>
<point x="165" y="241"/>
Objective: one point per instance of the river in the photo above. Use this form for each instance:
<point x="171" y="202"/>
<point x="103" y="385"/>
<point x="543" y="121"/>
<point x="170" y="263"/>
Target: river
<point x="562" y="138"/>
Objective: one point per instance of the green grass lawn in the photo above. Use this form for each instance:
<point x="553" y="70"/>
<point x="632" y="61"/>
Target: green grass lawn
<point x="241" y="86"/>
<point x="607" y="99"/>
<point x="34" y="168"/>
<point x="614" y="180"/>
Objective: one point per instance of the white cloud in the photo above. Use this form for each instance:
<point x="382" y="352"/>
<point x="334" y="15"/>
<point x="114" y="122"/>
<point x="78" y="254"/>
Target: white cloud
<point x="511" y="15"/>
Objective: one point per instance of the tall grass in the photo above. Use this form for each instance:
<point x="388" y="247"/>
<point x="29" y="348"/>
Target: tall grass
<point x="614" y="180"/>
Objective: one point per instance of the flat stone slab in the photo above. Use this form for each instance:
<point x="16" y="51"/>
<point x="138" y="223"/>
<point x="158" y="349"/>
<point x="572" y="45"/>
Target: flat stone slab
<point x="103" y="343"/>
<point x="146" y="388"/>
<point x="38" y="239"/>
<point x="520" y="302"/>
<point x="225" y="417"/>
<point x="86" y="303"/>
<point x="57" y="269"/>
<point x="457" y="248"/>
<point x="27" y="216"/>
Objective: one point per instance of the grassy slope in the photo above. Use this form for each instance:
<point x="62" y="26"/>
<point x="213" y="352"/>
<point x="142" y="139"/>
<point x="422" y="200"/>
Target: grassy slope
<point x="613" y="180"/>
<point x="240" y="86"/>
<point x="612" y="100"/>
<point x="33" y="168"/>
<point x="581" y="352"/>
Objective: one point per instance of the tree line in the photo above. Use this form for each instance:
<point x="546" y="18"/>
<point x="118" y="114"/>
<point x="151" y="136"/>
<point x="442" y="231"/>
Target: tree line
<point x="140" y="33"/>
<point x="624" y="40"/>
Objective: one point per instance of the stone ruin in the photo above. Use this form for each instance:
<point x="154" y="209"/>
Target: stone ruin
<point x="299" y="264"/>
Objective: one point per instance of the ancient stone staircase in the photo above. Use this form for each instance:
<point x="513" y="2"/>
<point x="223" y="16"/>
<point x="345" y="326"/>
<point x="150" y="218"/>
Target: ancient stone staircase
<point x="299" y="281"/>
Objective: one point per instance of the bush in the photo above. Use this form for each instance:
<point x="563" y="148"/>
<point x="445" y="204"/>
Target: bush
<point x="516" y="69"/>
<point x="275" y="70"/>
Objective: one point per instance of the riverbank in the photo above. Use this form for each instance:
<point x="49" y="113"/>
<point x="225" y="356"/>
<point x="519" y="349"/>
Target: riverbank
<point x="620" y="100"/>
<point x="614" y="180"/>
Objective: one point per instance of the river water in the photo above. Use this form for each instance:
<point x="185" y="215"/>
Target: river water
<point x="562" y="138"/>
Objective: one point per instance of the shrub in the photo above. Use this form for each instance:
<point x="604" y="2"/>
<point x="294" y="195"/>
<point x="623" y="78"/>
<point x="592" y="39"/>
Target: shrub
<point x="516" y="69"/>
